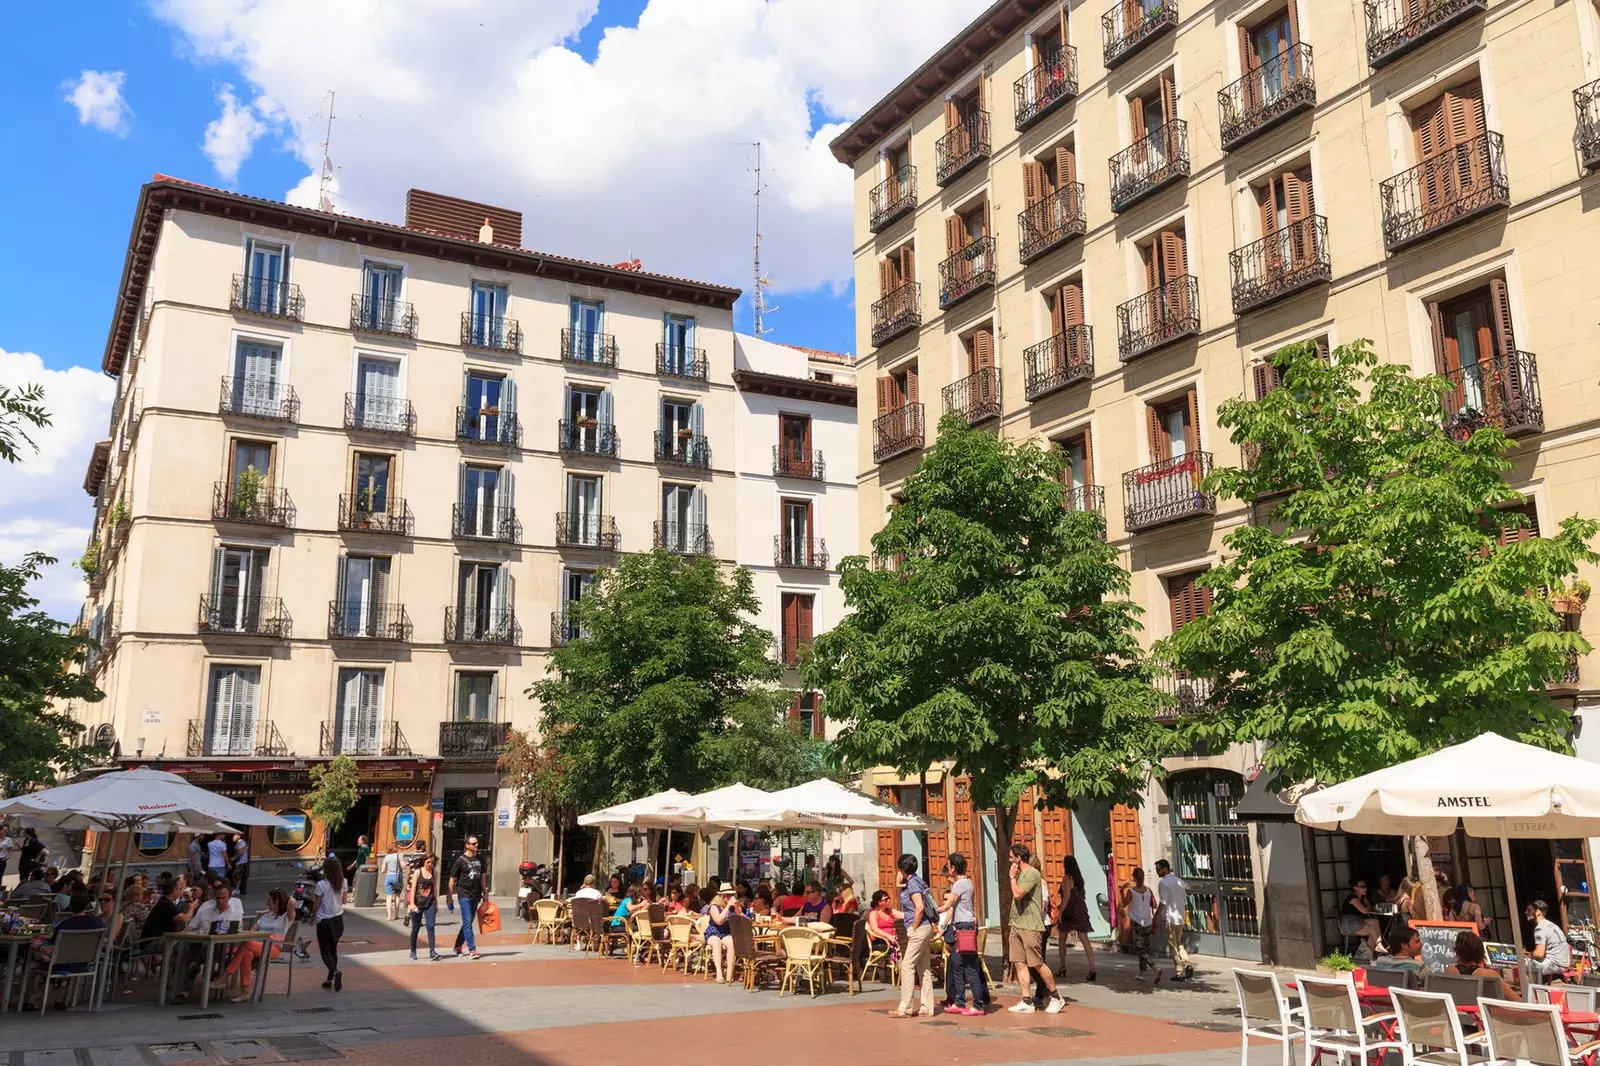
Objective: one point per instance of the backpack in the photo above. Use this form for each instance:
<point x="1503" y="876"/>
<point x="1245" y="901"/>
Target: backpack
<point x="930" y="910"/>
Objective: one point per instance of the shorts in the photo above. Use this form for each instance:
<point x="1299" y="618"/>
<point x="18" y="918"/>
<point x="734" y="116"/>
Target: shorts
<point x="1025" y="948"/>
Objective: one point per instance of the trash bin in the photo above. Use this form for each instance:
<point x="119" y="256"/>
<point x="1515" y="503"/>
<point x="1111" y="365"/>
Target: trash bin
<point x="366" y="891"/>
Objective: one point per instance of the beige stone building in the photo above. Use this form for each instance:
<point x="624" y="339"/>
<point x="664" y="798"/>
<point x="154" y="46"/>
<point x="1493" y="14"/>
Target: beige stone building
<point x="1091" y="222"/>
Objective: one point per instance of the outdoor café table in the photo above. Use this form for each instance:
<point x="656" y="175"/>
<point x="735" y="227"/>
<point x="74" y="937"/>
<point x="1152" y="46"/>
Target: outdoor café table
<point x="170" y="942"/>
<point x="13" y="944"/>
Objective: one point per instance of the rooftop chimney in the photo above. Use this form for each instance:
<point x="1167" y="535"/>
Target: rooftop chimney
<point x="465" y="220"/>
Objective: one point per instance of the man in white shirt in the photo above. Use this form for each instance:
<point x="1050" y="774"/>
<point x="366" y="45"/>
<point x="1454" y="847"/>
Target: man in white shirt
<point x="217" y="857"/>
<point x="1173" y="895"/>
<point x="1551" y="954"/>
<point x="588" y="891"/>
<point x="212" y="916"/>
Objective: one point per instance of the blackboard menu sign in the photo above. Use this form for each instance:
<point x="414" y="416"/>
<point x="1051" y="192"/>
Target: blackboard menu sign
<point x="1439" y="943"/>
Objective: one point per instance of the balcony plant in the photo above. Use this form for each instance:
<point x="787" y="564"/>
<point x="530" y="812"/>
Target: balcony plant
<point x="364" y="506"/>
<point x="1570" y="599"/>
<point x="120" y="513"/>
<point x="247" y="488"/>
<point x="587" y="423"/>
<point x="685" y="434"/>
<point x="89" y="561"/>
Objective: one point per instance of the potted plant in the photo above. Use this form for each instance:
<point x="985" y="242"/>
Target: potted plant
<point x="89" y="562"/>
<point x="685" y="433"/>
<point x="587" y="422"/>
<point x="1335" y="963"/>
<point x="1570" y="599"/>
<point x="247" y="490"/>
<point x="489" y="410"/>
<point x="120" y="513"/>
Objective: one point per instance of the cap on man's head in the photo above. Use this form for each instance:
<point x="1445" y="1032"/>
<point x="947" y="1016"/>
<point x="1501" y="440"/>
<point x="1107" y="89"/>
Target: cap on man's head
<point x="588" y="880"/>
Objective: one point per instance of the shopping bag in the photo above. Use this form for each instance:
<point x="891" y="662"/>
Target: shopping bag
<point x="488" y="917"/>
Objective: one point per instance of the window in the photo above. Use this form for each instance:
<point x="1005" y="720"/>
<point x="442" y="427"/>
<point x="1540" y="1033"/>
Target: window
<point x="1078" y="476"/>
<point x="372" y="472"/>
<point x="897" y="269"/>
<point x="682" y="431"/>
<point x="797" y="624"/>
<point x="1187" y="599"/>
<point x="1266" y="50"/>
<point x="378" y="402"/>
<point x="677" y="345"/>
<point x="1047" y="175"/>
<point x="979" y="346"/>
<point x="360" y="711"/>
<point x="966" y="227"/>
<point x="254" y="456"/>
<point x="796" y="525"/>
<point x="1131" y="14"/>
<point x="1065" y="304"/>
<point x="257" y="388"/>
<point x="488" y="315"/>
<point x="583" y="509"/>
<point x="488" y="407"/>
<point x="238" y="582"/>
<point x="588" y="320"/>
<point x="1265" y="377"/>
<point x="683" y="518"/>
<point x="1472" y="342"/>
<point x="362" y="595"/>
<point x="1287" y="203"/>
<point x="486" y="495"/>
<point x="231" y="707"/>
<point x="897" y="389"/>
<point x="575" y="584"/>
<point x="484" y="599"/>
<point x="1174" y="426"/>
<point x="794" y="444"/>
<point x="898" y="158"/>
<point x="1166" y="260"/>
<point x="1151" y="114"/>
<point x="380" y="297"/>
<point x="1442" y="127"/>
<point x="476" y="696"/>
<point x="266" y="269"/>
<point x="806" y="714"/>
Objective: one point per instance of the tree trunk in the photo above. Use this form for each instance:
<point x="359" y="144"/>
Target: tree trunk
<point x="1425" y="877"/>
<point x="1004" y="818"/>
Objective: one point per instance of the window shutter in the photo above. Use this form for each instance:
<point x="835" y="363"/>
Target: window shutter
<point x="982" y="350"/>
<point x="886" y="280"/>
<point x="1053" y="302"/>
<point x="1266" y="200"/>
<point x="508" y="406"/>
<point x="1136" y="115"/>
<point x="1263" y="378"/>
<point x="604" y="410"/>
<point x="1032" y="183"/>
<point x="1306" y="193"/>
<point x="1174" y="261"/>
<point x="1132" y="16"/>
<point x="791" y="625"/>
<point x="1193" y="408"/>
<point x="1160" y="446"/>
<point x="955" y="234"/>
<point x="1529" y="532"/>
<point x="1322" y="348"/>
<point x="1294" y="25"/>
<point x="983" y="93"/>
<point x="1248" y="59"/>
<point x="804" y="614"/>
<point x="818" y="722"/>
<point x="952" y="114"/>
<point x="219" y="564"/>
<point x="697" y="516"/>
<point x="885" y="393"/>
<point x="912" y="393"/>
<point x="1088" y="456"/>
<point x="1066" y="167"/>
<point x="1061" y="14"/>
<point x="340" y="582"/>
<point x="908" y="264"/>
<point x="1500" y="304"/>
<point x="697" y="420"/>
<point x="1464" y="113"/>
<point x="1151" y="254"/>
<point x="1441" y="351"/>
<point x="1169" y="98"/>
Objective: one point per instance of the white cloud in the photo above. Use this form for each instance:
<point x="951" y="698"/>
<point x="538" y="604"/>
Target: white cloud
<point x="231" y="136"/>
<point x="635" y="153"/>
<point x="97" y="94"/>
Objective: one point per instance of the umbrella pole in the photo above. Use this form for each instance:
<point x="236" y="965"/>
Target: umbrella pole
<point x="98" y="998"/>
<point x="1511" y="898"/>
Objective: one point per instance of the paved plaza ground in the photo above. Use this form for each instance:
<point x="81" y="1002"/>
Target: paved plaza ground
<point x="546" y="1006"/>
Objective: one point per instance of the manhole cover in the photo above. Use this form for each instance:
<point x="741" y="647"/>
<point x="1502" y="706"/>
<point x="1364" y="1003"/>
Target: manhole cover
<point x="311" y="1010"/>
<point x="243" y="1052"/>
<point x="1059" y="1031"/>
<point x="198" y="1017"/>
<point x="1210" y="1027"/>
<point x="178" y="1054"/>
<point x="299" y="1047"/>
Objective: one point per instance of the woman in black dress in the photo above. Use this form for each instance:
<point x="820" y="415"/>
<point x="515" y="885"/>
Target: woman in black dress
<point x="1074" y="918"/>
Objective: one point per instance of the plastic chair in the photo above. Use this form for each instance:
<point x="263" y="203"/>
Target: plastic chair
<point x="1578" y="998"/>
<point x="1429" y="1020"/>
<point x="1379" y="978"/>
<point x="1266" y="1013"/>
<point x="1463" y="990"/>
<point x="805" y="953"/>
<point x="78" y="949"/>
<point x="1530" y="1033"/>
<point x="1334" y="1024"/>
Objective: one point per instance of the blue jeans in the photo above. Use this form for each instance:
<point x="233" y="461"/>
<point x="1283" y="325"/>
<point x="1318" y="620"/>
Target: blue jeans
<point x="469" y="913"/>
<point x="964" y="974"/>
<point x="424" y="917"/>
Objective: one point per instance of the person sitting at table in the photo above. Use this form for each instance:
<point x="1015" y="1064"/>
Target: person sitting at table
<point x="813" y="907"/>
<point x="1355" y="916"/>
<point x="1405" y="946"/>
<point x="588" y="891"/>
<point x="846" y="902"/>
<point x="1551" y="956"/>
<point x="675" y="900"/>
<point x="761" y="906"/>
<point x="742" y="897"/>
<point x="275" y="920"/>
<point x="691" y="898"/>
<point x="214" y="916"/>
<point x="1467" y="909"/>
<point x="1406" y="899"/>
<point x="133" y="907"/>
<point x="1470" y="962"/>
<point x="719" y="935"/>
<point x="1385" y="891"/>
<point x="162" y="917"/>
<point x="614" y="890"/>
<point x="789" y="900"/>
<point x="34" y="886"/>
<point x="880" y="919"/>
<point x="79" y="917"/>
<point x="619" y="917"/>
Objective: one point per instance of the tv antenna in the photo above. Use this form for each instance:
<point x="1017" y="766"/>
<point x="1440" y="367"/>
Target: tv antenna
<point x="325" y="184"/>
<point x="758" y="297"/>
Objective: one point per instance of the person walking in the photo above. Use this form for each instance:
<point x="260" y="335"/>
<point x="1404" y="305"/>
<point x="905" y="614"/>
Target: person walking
<point x="6" y="844"/>
<point x="965" y="973"/>
<point x="1027" y="921"/>
<point x="1139" y="905"/>
<point x="394" y="887"/>
<point x="1073" y="919"/>
<point x="241" y="862"/>
<point x="917" y="910"/>
<point x="197" y="859"/>
<point x="363" y="853"/>
<point x="217" y="857"/>
<point x="1173" y="894"/>
<point x="466" y="888"/>
<point x="422" y="904"/>
<point x="330" y="920"/>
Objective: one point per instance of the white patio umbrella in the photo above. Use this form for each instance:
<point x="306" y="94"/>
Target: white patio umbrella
<point x="830" y="805"/>
<point x="1493" y="786"/>
<point x="669" y="809"/>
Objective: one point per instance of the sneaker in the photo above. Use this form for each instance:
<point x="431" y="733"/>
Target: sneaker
<point x="1188" y="973"/>
<point x="474" y="956"/>
<point x="971" y="1012"/>
<point x="435" y="957"/>
<point x="338" y="980"/>
<point x="1025" y="1007"/>
<point x="1055" y="1005"/>
<point x="1140" y="978"/>
<point x="951" y="1008"/>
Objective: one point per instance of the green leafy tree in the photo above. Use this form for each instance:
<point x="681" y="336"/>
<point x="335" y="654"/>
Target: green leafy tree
<point x="1376" y="617"/>
<point x="998" y="637"/>
<point x="20" y="409"/>
<point x="333" y="794"/>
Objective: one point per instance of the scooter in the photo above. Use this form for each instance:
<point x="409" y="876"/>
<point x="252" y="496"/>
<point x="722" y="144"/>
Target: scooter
<point x="535" y="886"/>
<point x="303" y="900"/>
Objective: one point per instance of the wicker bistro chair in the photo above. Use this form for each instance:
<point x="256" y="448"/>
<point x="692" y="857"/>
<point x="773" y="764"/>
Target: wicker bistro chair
<point x="582" y="920"/>
<point x="74" y="957"/>
<point x="1335" y="1026"/>
<point x="549" y="920"/>
<point x="642" y="943"/>
<point x="610" y="936"/>
<point x="680" y="942"/>
<point x="697" y="946"/>
<point x="805" y="954"/>
<point x="983" y="959"/>
<point x="1430" y="1030"/>
<point x="881" y="952"/>
<point x="1266" y="1013"/>
<point x="747" y="961"/>
<point x="1530" y="1033"/>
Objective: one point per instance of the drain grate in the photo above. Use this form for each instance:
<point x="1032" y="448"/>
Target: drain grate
<point x="1209" y="1027"/>
<point x="1060" y="1031"/>
<point x="198" y="1017"/>
<point x="985" y="1034"/>
<point x="311" y="1010"/>
<point x="299" y="1047"/>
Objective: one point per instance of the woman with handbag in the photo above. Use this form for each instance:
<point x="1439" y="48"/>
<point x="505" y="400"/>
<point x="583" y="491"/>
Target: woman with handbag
<point x="422" y="904"/>
<point x="961" y="934"/>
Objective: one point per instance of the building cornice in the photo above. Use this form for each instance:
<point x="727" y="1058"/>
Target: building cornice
<point x="795" y="388"/>
<point x="98" y="460"/>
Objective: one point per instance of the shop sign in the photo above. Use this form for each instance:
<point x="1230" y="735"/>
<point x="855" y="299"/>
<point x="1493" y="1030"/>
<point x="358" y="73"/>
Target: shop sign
<point x="405" y="827"/>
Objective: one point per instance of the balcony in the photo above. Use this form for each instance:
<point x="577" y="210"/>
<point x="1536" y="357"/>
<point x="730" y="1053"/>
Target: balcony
<point x="262" y="741"/>
<point x="897" y="432"/>
<point x="243" y="616"/>
<point x="587" y="437"/>
<point x="1587" y="138"/>
<point x="1131" y="25"/>
<point x="259" y="398"/>
<point x="793" y="553"/>
<point x="379" y="414"/>
<point x="392" y="318"/>
<point x="1159" y="317"/>
<point x="1084" y="498"/>
<point x="1051" y="222"/>
<point x="388" y="741"/>
<point x="577" y="530"/>
<point x="1286" y="262"/>
<point x="682" y="447"/>
<point x="1168" y="491"/>
<point x="962" y="148"/>
<point x="966" y="272"/>
<point x="1395" y="27"/>
<point x="263" y="506"/>
<point x="1283" y="86"/>
<point x="892" y="198"/>
<point x="488" y="425"/>
<point x="677" y="361"/>
<point x="683" y="538"/>
<point x="494" y="333"/>
<point x="469" y="521"/>
<point x="365" y="621"/>
<point x="1452" y="187"/>
<point x="265" y="296"/>
<point x="790" y="461"/>
<point x="976" y="397"/>
<point x="563" y="629"/>
<point x="897" y="313"/>
<point x="1063" y="360"/>
<point x="359" y="515"/>
<point x="1503" y="394"/>
<point x="1046" y="87"/>
<point x="1185" y="695"/>
<point x="1149" y="164"/>
<point x="586" y="348"/>
<point x="481" y="627"/>
<point x="472" y="740"/>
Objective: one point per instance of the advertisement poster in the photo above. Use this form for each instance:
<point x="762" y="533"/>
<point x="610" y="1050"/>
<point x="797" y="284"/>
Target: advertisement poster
<point x="749" y="855"/>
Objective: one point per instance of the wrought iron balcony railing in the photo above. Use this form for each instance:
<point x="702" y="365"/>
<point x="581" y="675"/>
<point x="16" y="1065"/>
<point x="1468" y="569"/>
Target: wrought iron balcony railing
<point x="684" y="538"/>
<point x="362" y="513"/>
<point x="386" y="740"/>
<point x="1159" y="317"/>
<point x="966" y="272"/>
<point x="795" y="553"/>
<point x="1503" y="393"/>
<point x="588" y="348"/>
<point x="1586" y="101"/>
<point x="1460" y="183"/>
<point x="963" y="147"/>
<point x="574" y="529"/>
<point x="355" y="620"/>
<point x="1283" y="86"/>
<point x="1395" y="27"/>
<point x="976" y="397"/>
<point x="563" y="629"/>
<point x="379" y="414"/>
<point x="244" y="616"/>
<point x="1062" y="360"/>
<point x="677" y="361"/>
<point x="587" y="437"/>
<point x="683" y="448"/>
<point x="1168" y="491"/>
<point x="1084" y="498"/>
<point x="235" y="502"/>
<point x="481" y="626"/>
<point x="1149" y="164"/>
<point x="1050" y="222"/>
<point x="1286" y="262"/>
<point x="1131" y="25"/>
<point x="259" y="738"/>
<point x="488" y="425"/>
<point x="265" y="296"/>
<point x="802" y="463"/>
<point x="898" y="312"/>
<point x="470" y="521"/>
<point x="259" y="398"/>
<point x="1046" y="87"/>
<point x="395" y="318"/>
<point x="897" y="432"/>
<point x="473" y="740"/>
<point x="490" y="332"/>
<point x="892" y="198"/>
<point x="1184" y="694"/>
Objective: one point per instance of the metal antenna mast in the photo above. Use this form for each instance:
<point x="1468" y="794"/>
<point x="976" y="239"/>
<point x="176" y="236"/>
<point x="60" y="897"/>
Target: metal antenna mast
<point x="324" y="200"/>
<point x="758" y="297"/>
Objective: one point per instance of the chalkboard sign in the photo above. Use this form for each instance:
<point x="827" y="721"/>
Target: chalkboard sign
<point x="1439" y="943"/>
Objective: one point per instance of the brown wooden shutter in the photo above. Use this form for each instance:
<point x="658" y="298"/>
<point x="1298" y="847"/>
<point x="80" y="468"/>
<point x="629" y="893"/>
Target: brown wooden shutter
<point x="1301" y="204"/>
<point x="1463" y="107"/>
<point x="1294" y="27"/>
<point x="1061" y="13"/>
<point x="1072" y="303"/>
<point x="1032" y="183"/>
<point x="885" y="394"/>
<point x="1248" y="59"/>
<point x="1088" y="456"/>
<point x="1180" y="601"/>
<point x="1263" y="378"/>
<point x="955" y="234"/>
<point x="1169" y="98"/>
<point x="1193" y="407"/>
<point x="1160" y="443"/>
<point x="1500" y="308"/>
<point x="1136" y="114"/>
<point x="1132" y="16"/>
<point x="1322" y="348"/>
<point x="912" y="392"/>
<point x="791" y="626"/>
<point x="1442" y="349"/>
<point x="1531" y="532"/>
<point x="952" y="114"/>
<point x="1266" y="199"/>
<point x="983" y="93"/>
<point x="1429" y="125"/>
<point x="1066" y="167"/>
<point x="804" y="614"/>
<point x="1174" y="260"/>
<point x="908" y="264"/>
<point x="886" y="279"/>
<point x="982" y="351"/>
<point x="1152" y="270"/>
<point x="1053" y="301"/>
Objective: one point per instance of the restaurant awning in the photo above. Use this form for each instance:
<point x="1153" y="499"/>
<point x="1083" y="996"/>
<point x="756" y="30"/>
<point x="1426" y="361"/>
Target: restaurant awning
<point x="1263" y="804"/>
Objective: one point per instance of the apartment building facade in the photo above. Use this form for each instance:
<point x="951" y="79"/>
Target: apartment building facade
<point x="355" y="473"/>
<point x="1195" y="185"/>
